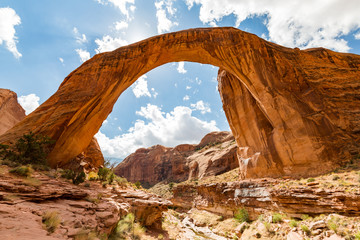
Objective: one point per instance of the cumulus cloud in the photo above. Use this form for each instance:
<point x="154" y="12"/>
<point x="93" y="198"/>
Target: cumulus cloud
<point x="201" y="106"/>
<point x="154" y="93"/>
<point x="121" y="25"/>
<point x="186" y="98"/>
<point x="168" y="129"/>
<point x="165" y="10"/>
<point x="140" y="87"/>
<point x="29" y="102"/>
<point x="108" y="43"/>
<point x="83" y="54"/>
<point x="357" y="35"/>
<point x="181" y="68"/>
<point x="125" y="6"/>
<point x="80" y="38"/>
<point x="8" y="20"/>
<point x="296" y="23"/>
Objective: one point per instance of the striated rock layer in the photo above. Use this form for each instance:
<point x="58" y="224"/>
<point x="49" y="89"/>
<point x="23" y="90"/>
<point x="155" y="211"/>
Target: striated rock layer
<point x="301" y="112"/>
<point x="215" y="154"/>
<point x="10" y="110"/>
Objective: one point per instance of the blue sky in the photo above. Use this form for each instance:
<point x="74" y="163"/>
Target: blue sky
<point x="42" y="41"/>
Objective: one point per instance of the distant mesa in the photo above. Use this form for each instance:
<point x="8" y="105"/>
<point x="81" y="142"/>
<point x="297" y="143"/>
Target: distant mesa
<point x="292" y="112"/>
<point x="214" y="155"/>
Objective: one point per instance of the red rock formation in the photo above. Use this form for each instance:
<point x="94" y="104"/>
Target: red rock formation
<point x="10" y="110"/>
<point x="307" y="100"/>
<point x="215" y="154"/>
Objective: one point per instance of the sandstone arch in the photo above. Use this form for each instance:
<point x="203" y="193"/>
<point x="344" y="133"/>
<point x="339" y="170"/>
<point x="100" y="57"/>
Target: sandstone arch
<point x="291" y="111"/>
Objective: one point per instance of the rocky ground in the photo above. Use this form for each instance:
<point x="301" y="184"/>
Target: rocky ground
<point x="46" y="206"/>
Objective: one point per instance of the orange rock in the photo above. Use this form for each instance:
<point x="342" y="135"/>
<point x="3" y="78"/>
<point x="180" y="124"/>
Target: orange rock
<point x="215" y="154"/>
<point x="301" y="115"/>
<point x="10" y="110"/>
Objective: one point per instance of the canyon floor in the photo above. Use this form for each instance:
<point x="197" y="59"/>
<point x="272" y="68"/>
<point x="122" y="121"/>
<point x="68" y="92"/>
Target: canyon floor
<point x="217" y="207"/>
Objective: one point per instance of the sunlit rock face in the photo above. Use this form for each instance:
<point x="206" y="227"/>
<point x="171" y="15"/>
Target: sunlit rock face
<point x="301" y="115"/>
<point x="10" y="110"/>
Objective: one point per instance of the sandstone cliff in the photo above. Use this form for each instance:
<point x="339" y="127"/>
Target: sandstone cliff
<point x="10" y="110"/>
<point x="215" y="154"/>
<point x="292" y="112"/>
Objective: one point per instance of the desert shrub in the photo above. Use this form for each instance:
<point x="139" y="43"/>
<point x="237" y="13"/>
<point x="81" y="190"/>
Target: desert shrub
<point x="305" y="217"/>
<point x="293" y="223"/>
<point x="127" y="228"/>
<point x="93" y="176"/>
<point x="242" y="215"/>
<point x="51" y="221"/>
<point x="332" y="224"/>
<point x="104" y="173"/>
<point x="357" y="236"/>
<point x="310" y="180"/>
<point x="335" y="177"/>
<point x="305" y="229"/>
<point x="76" y="177"/>
<point x="138" y="184"/>
<point x="29" y="149"/>
<point x="111" y="177"/>
<point x="121" y="181"/>
<point x="24" y="171"/>
<point x="171" y="185"/>
<point x="277" y="218"/>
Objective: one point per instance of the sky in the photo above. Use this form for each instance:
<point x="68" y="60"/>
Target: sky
<point x="42" y="41"/>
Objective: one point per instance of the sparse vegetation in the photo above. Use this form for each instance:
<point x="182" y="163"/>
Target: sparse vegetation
<point x="29" y="149"/>
<point x="51" y="221"/>
<point x="127" y="228"/>
<point x="277" y="218"/>
<point x="310" y="180"/>
<point x="305" y="229"/>
<point x="293" y="223"/>
<point x="137" y="184"/>
<point x="76" y="177"/>
<point x="242" y="215"/>
<point x="24" y="171"/>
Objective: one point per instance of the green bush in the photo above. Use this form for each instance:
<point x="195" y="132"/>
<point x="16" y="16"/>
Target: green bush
<point x="277" y="218"/>
<point x="104" y="173"/>
<point x="29" y="149"/>
<point x="51" y="221"/>
<point x="305" y="229"/>
<point x="138" y="184"/>
<point x="76" y="178"/>
<point x="242" y="215"/>
<point x="24" y="171"/>
<point x="127" y="228"/>
<point x="293" y="223"/>
<point x="311" y="180"/>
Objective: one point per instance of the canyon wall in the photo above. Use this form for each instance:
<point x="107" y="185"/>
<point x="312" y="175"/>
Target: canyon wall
<point x="214" y="155"/>
<point x="304" y="103"/>
<point x="10" y="110"/>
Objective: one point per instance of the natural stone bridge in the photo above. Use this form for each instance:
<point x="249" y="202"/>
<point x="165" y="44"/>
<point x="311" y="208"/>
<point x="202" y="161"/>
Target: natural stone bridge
<point x="292" y="112"/>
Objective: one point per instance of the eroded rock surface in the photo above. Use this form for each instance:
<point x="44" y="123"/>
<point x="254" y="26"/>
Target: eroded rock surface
<point x="304" y="103"/>
<point x="23" y="202"/>
<point x="10" y="110"/>
<point x="215" y="154"/>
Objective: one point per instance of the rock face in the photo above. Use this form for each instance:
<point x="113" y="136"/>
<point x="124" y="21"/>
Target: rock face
<point x="11" y="113"/>
<point x="258" y="197"/>
<point x="10" y="110"/>
<point x="215" y="154"/>
<point x="292" y="112"/>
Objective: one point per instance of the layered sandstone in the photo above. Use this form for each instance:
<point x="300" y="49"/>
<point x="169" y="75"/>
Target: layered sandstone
<point x="300" y="116"/>
<point x="215" y="154"/>
<point x="10" y="110"/>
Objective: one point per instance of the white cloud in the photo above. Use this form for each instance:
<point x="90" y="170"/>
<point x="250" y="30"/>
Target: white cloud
<point x="168" y="129"/>
<point x="164" y="10"/>
<point x="80" y="38"/>
<point x="357" y="35"/>
<point x="188" y="87"/>
<point x="296" y="23"/>
<point x="61" y="60"/>
<point x="108" y="43"/>
<point x="181" y="68"/>
<point x="125" y="6"/>
<point x="197" y="80"/>
<point x="154" y="93"/>
<point x="186" y="98"/>
<point x="8" y="20"/>
<point x="140" y="87"/>
<point x="201" y="106"/>
<point x="29" y="102"/>
<point x="121" y="25"/>
<point x="83" y="54"/>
